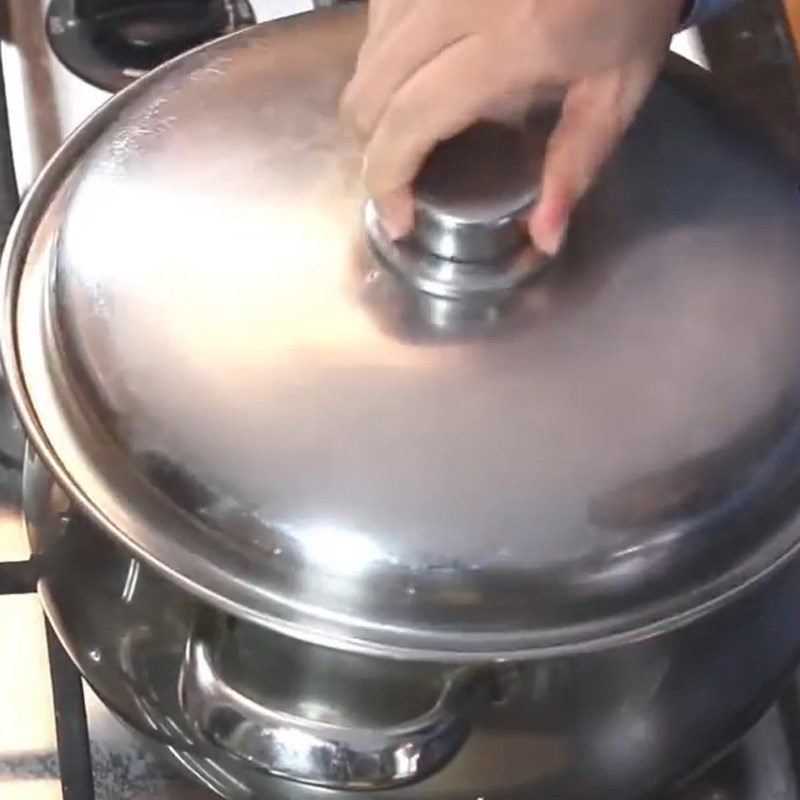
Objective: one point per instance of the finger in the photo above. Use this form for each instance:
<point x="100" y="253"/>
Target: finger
<point x="388" y="60"/>
<point x="440" y="101"/>
<point x="396" y="212"/>
<point x="382" y="18"/>
<point x="596" y="114"/>
<point x="384" y="14"/>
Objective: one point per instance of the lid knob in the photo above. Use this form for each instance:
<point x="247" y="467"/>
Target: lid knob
<point x="472" y="194"/>
<point x="471" y="197"/>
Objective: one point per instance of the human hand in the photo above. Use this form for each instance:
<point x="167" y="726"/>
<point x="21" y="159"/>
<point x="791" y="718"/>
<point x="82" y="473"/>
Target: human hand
<point x="428" y="69"/>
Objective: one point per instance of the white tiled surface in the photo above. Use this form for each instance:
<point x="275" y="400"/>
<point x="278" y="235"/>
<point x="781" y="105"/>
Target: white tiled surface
<point x="27" y="728"/>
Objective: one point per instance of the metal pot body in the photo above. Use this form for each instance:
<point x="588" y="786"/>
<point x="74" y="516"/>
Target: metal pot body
<point x="619" y="721"/>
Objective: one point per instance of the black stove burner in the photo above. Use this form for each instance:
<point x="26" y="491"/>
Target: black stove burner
<point x="110" y="43"/>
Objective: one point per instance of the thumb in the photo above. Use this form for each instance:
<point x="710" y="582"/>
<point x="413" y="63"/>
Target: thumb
<point x="596" y="113"/>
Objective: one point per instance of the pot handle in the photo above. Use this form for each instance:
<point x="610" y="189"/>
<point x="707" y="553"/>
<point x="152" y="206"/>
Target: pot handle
<point x="319" y="753"/>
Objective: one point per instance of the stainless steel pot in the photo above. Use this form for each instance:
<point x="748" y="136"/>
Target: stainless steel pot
<point x="620" y="721"/>
<point x="321" y="512"/>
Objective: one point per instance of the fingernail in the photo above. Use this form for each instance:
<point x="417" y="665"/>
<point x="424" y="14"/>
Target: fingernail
<point x="396" y="212"/>
<point x="552" y="242"/>
<point x="394" y="229"/>
<point x="549" y="238"/>
<point x="549" y="221"/>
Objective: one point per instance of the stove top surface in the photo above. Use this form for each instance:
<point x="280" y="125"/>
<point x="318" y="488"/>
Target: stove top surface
<point x="45" y="102"/>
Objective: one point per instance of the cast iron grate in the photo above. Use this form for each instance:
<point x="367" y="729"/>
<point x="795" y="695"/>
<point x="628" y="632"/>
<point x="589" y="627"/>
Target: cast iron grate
<point x="72" y="731"/>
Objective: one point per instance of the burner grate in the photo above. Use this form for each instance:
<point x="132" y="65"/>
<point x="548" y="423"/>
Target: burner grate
<point x="72" y="731"/>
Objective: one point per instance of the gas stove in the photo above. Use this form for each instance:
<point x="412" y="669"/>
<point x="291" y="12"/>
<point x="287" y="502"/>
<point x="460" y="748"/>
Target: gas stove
<point x="56" y="739"/>
<point x="55" y="79"/>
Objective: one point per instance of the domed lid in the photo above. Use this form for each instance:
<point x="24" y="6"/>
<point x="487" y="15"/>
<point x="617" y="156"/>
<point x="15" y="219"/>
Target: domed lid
<point x="438" y="448"/>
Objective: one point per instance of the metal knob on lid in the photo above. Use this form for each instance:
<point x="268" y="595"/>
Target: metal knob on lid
<point x="471" y="198"/>
<point x="472" y="194"/>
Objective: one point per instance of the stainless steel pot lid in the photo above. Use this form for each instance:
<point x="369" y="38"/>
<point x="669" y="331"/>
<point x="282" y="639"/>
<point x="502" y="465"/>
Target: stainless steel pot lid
<point x="225" y="370"/>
